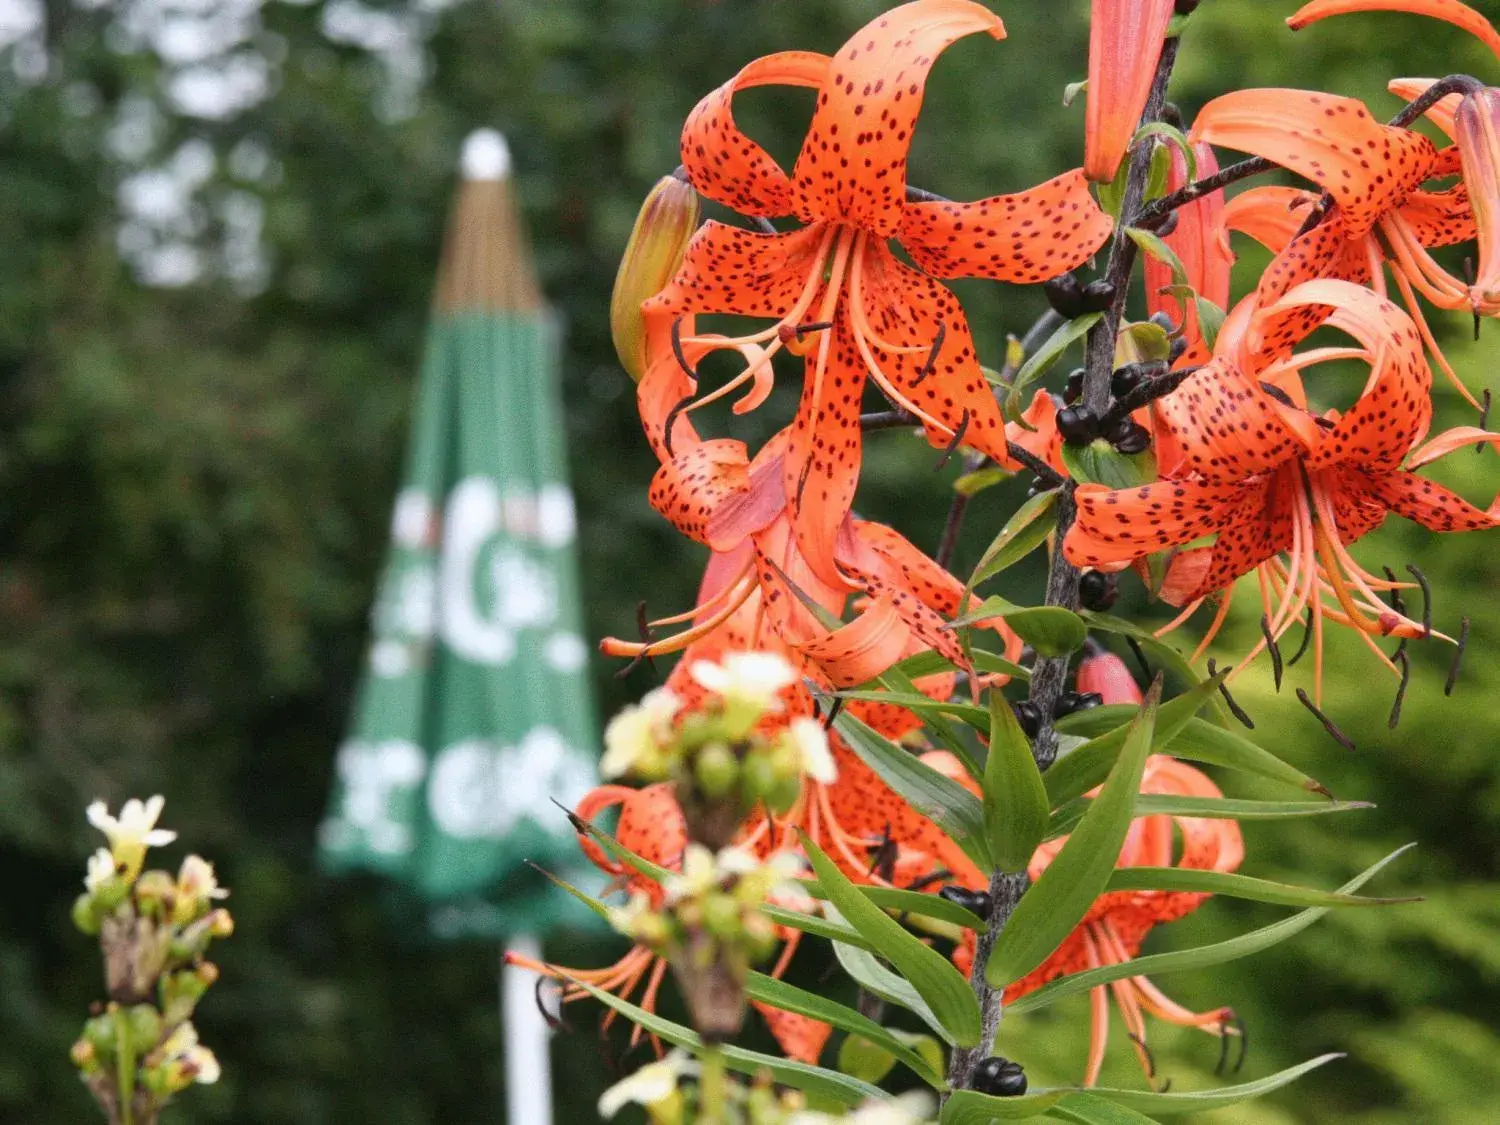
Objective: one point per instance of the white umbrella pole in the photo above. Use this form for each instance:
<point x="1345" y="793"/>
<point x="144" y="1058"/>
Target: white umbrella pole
<point x="528" y="1070"/>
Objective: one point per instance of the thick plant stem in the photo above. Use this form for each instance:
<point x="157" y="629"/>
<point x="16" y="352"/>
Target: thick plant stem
<point x="713" y="1088"/>
<point x="1049" y="674"/>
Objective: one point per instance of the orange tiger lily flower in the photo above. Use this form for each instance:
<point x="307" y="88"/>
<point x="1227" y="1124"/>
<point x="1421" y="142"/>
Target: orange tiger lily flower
<point x="1118" y="922"/>
<point x="1125" y="44"/>
<point x="1268" y="478"/>
<point x="837" y="294"/>
<point x="1450" y="11"/>
<point x="1373" y="174"/>
<point x="1201" y="245"/>
<point x="740" y="510"/>
<point x="651" y="825"/>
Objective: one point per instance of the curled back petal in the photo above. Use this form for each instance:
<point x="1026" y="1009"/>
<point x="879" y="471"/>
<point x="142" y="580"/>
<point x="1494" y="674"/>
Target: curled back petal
<point x="1119" y="525"/>
<point x="1448" y="441"/>
<point x="1440" y="114"/>
<point x="1125" y="43"/>
<point x="1367" y="167"/>
<point x="852" y="167"/>
<point x="691" y="487"/>
<point x="1030" y="236"/>
<point x="728" y="166"/>
<point x="864" y="648"/>
<point x="1395" y="408"/>
<point x="1450" y="11"/>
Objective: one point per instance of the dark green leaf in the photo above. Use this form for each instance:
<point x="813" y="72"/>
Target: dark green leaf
<point x="1236" y="886"/>
<point x="1090" y="1109"/>
<point x="790" y="998"/>
<point x="831" y="1084"/>
<point x="1021" y="534"/>
<point x="859" y="1058"/>
<point x="910" y="902"/>
<point x="966" y="1107"/>
<point x="1218" y="953"/>
<point x="1015" y="800"/>
<point x="1051" y="630"/>
<point x="1099" y="462"/>
<point x="1060" y="898"/>
<point x="873" y="977"/>
<point x="1170" y="659"/>
<point x="1214" y="808"/>
<point x="1039" y="362"/>
<point x="948" y="804"/>
<point x="940" y="985"/>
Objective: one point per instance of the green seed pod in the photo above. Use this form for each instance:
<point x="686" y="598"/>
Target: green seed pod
<point x="717" y="770"/>
<point x="86" y="915"/>
<point x="662" y="231"/>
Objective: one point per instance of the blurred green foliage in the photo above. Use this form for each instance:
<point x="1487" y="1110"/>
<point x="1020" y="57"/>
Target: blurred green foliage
<point x="196" y="486"/>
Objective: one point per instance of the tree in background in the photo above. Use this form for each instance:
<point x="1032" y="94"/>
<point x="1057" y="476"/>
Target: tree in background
<point x="199" y="479"/>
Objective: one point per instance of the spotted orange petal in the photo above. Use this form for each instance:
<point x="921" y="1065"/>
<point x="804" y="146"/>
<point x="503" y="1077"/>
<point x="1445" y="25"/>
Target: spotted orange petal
<point x="1430" y="504"/>
<point x="1227" y="426"/>
<point x="1333" y="141"/>
<point x="800" y="1037"/>
<point x="729" y="269"/>
<point x="1477" y="125"/>
<point x="1450" y="11"/>
<point x="1119" y="525"/>
<point x="1031" y="236"/>
<point x="1395" y="408"/>
<point x="1263" y="529"/>
<point x="1125" y="42"/>
<point x="690" y="488"/>
<point x="852" y="167"/>
<point x="909" y="311"/>
<point x="728" y="166"/>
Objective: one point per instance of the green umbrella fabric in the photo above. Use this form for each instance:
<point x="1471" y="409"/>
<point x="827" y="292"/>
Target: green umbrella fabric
<point x="474" y="713"/>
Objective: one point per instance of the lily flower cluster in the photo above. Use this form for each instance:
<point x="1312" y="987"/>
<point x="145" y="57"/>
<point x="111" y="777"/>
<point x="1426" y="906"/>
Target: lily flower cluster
<point x="154" y="930"/>
<point x="1195" y="448"/>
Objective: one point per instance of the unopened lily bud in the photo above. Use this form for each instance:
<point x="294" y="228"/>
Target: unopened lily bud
<point x="86" y="915"/>
<point x="717" y="770"/>
<point x="1103" y="673"/>
<point x="662" y="231"/>
<point x="84" y="1056"/>
<point x="1477" y="132"/>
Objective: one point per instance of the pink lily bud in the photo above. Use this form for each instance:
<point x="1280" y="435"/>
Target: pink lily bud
<point x="1125" y="42"/>
<point x="1106" y="674"/>
<point x="1200" y="242"/>
<point x="1477" y="133"/>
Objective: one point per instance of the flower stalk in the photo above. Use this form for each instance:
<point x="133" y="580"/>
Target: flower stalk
<point x="1048" y="675"/>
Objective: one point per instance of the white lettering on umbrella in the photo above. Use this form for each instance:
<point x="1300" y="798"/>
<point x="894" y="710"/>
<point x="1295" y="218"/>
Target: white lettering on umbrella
<point x="472" y="519"/>
<point x="373" y="774"/>
<point x="479" y="790"/>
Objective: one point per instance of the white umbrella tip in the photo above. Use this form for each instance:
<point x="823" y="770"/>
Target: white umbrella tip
<point x="486" y="156"/>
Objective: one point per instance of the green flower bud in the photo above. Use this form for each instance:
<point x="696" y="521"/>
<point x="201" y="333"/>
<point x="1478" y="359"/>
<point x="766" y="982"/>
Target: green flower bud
<point x="662" y="231"/>
<point x="100" y="1034"/>
<point x="86" y="915"/>
<point x="155" y="891"/>
<point x="784" y="793"/>
<point x="717" y="770"/>
<point x="759" y="779"/>
<point x="85" y="1057"/>
<point x="721" y="916"/>
<point x="144" y="1023"/>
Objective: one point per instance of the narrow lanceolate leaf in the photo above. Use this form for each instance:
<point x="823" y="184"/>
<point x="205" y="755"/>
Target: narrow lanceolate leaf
<point x="1202" y="957"/>
<point x="1091" y="1109"/>
<point x="1015" y="800"/>
<point x="1209" y="808"/>
<point x="1058" y="900"/>
<point x="1237" y="886"/>
<point x="966" y="1107"/>
<point x="940" y="985"/>
<point x="937" y="725"/>
<point x="840" y="1088"/>
<point x="652" y="871"/>
<point x="1022" y="533"/>
<point x="1040" y="362"/>
<point x="1159" y="651"/>
<point x="1051" y="630"/>
<point x="1199" y="741"/>
<point x="1084" y="767"/>
<point x="867" y="972"/>
<point x="1154" y="245"/>
<point x="924" y="705"/>
<point x="910" y="902"/>
<point x="790" y="998"/>
<point x="815" y="925"/>
<point x="945" y="802"/>
<point x="930" y="662"/>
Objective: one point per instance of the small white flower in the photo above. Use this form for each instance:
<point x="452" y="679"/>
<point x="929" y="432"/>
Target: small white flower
<point x="133" y="831"/>
<point x="653" y="1083"/>
<point x="699" y="874"/>
<point x="636" y="733"/>
<point x="811" y="741"/>
<point x="101" y="870"/>
<point x="750" y="678"/>
<point x="196" y="879"/>
<point x="185" y="1058"/>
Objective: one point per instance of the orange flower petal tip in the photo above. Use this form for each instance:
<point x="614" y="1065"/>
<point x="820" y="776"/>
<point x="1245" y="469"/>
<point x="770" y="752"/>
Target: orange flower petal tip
<point x="1449" y="11"/>
<point x="1125" y="42"/>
